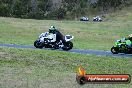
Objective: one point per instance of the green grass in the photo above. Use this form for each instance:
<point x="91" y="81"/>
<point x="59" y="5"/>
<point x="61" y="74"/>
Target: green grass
<point x="27" y="68"/>
<point x="88" y="35"/>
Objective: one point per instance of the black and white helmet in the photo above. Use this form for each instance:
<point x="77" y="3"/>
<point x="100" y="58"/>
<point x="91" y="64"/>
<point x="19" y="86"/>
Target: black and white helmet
<point x="52" y="29"/>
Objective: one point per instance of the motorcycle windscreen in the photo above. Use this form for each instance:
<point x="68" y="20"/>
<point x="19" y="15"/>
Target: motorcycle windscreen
<point x="45" y="34"/>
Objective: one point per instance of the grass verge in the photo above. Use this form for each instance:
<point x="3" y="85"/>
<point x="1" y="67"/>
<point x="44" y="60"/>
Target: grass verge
<point x="27" y="68"/>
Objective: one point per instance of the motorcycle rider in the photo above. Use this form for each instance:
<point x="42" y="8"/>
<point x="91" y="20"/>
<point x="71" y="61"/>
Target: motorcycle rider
<point x="129" y="41"/>
<point x="130" y="37"/>
<point x="59" y="35"/>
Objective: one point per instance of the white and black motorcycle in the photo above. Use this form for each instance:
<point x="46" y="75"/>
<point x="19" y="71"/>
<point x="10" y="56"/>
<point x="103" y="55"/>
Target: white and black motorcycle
<point x="97" y="19"/>
<point x="48" y="40"/>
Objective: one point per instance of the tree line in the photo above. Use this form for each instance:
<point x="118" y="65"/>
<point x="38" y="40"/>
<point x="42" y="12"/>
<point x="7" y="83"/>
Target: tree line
<point x="57" y="9"/>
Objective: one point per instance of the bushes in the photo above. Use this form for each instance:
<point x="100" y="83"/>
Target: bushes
<point x="105" y="5"/>
<point x="4" y="10"/>
<point x="41" y="9"/>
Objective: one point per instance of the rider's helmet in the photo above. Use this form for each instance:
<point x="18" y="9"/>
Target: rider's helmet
<point x="52" y="29"/>
<point x="130" y="37"/>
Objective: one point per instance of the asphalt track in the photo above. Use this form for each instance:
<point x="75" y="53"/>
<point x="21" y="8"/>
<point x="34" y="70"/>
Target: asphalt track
<point x="80" y="51"/>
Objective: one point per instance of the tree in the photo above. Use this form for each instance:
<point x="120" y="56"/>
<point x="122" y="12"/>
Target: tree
<point x="39" y="9"/>
<point x="34" y="6"/>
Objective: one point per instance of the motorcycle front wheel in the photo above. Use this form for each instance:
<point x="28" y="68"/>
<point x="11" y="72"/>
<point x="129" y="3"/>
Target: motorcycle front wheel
<point x="114" y="50"/>
<point x="37" y="44"/>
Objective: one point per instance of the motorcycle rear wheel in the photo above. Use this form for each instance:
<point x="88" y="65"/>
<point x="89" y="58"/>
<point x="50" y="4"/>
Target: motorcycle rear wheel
<point x="67" y="46"/>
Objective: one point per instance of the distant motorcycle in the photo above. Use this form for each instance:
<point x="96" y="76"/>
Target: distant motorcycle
<point x="48" y="40"/>
<point x="97" y="19"/>
<point x="84" y="19"/>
